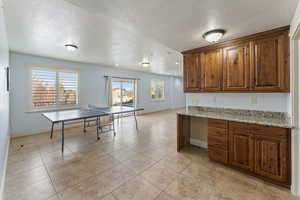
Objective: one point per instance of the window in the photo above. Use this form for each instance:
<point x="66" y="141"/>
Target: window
<point x="53" y="88"/>
<point x="157" y="89"/>
<point x="123" y="92"/>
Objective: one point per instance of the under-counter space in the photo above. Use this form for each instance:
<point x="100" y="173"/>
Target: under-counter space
<point x="265" y="118"/>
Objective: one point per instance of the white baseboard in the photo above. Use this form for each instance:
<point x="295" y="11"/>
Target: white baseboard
<point x="198" y="143"/>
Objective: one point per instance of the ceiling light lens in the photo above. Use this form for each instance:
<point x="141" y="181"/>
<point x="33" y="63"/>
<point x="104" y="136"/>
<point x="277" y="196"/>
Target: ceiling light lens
<point x="71" y="47"/>
<point x="214" y="35"/>
<point x="145" y="64"/>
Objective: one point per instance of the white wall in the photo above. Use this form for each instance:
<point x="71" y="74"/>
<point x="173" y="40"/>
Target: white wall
<point x="277" y="102"/>
<point x="178" y="97"/>
<point x="91" y="86"/>
<point x="4" y="102"/>
<point x="295" y="89"/>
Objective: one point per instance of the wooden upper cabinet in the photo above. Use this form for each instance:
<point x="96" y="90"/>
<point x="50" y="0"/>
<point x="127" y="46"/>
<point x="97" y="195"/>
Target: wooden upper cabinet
<point x="236" y="68"/>
<point x="270" y="70"/>
<point x="254" y="63"/>
<point x="211" y="70"/>
<point x="191" y="73"/>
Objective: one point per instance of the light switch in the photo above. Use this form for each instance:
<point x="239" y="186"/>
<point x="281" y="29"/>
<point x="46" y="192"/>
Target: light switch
<point x="254" y="100"/>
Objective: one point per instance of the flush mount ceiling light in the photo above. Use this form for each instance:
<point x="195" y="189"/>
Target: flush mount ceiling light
<point x="145" y="64"/>
<point x="71" y="47"/>
<point x="214" y="35"/>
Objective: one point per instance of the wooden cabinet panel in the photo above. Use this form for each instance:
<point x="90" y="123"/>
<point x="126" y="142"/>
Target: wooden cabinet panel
<point x="217" y="138"/>
<point x="217" y="123"/>
<point x="241" y="149"/>
<point x="279" y="133"/>
<point x="236" y="68"/>
<point x="191" y="73"/>
<point x="211" y="70"/>
<point x="271" y="64"/>
<point x="271" y="158"/>
<point x="183" y="131"/>
<point x="218" y="155"/>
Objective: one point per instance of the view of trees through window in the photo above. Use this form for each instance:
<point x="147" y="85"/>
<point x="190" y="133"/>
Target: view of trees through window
<point x="52" y="88"/>
<point x="123" y="92"/>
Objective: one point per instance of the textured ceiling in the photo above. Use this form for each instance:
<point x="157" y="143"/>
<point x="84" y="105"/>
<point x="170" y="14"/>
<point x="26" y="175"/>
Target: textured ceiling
<point x="125" y="32"/>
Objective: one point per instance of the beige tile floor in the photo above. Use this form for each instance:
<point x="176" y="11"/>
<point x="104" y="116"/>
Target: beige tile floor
<point x="140" y="165"/>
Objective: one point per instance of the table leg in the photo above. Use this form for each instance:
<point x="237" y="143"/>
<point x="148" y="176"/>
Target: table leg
<point x="113" y="123"/>
<point x="84" y="126"/>
<point x="62" y="136"/>
<point x="97" y="124"/>
<point x="51" y="135"/>
<point x="136" y="122"/>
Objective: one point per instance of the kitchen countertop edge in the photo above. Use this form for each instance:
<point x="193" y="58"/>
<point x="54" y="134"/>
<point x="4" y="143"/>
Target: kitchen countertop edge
<point x="234" y="118"/>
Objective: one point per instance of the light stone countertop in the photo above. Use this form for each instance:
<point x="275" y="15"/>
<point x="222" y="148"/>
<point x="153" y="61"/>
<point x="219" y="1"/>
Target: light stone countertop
<point x="240" y="117"/>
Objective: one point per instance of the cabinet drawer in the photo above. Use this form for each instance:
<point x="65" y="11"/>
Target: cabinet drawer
<point x="217" y="132"/>
<point x="255" y="129"/>
<point x="268" y="131"/>
<point x="216" y="123"/>
<point x="218" y="143"/>
<point x="237" y="125"/>
<point x="218" y="155"/>
<point x="217" y="138"/>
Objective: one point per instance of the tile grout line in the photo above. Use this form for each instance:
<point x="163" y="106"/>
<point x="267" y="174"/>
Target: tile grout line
<point x="52" y="183"/>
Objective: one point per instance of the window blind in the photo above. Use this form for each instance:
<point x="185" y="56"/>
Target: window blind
<point x="67" y="91"/>
<point x="53" y="88"/>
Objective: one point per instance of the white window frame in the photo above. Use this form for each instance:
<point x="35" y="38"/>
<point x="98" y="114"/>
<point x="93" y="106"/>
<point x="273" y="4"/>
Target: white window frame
<point x="164" y="89"/>
<point x="124" y="80"/>
<point x="55" y="107"/>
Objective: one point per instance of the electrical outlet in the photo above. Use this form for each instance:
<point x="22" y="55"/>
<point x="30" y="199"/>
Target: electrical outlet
<point x="254" y="100"/>
<point x="214" y="100"/>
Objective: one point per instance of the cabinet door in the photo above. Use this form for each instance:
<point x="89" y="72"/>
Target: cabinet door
<point x="270" y="68"/>
<point x="211" y="70"/>
<point x="236" y="68"/>
<point x="271" y="158"/>
<point x="191" y="73"/>
<point x="241" y="149"/>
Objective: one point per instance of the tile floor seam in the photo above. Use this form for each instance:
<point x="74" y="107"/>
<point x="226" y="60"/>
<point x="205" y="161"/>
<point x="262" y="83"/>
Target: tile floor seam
<point x="48" y="173"/>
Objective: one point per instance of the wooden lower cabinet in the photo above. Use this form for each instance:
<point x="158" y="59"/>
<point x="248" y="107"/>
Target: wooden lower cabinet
<point x="241" y="149"/>
<point x="261" y="150"/>
<point x="272" y="158"/>
<point x="218" y="155"/>
<point x="218" y="140"/>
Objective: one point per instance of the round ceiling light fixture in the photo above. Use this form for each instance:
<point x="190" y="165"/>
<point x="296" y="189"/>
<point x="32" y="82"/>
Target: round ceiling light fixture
<point x="71" y="47"/>
<point x="145" y="64"/>
<point x="214" y="35"/>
